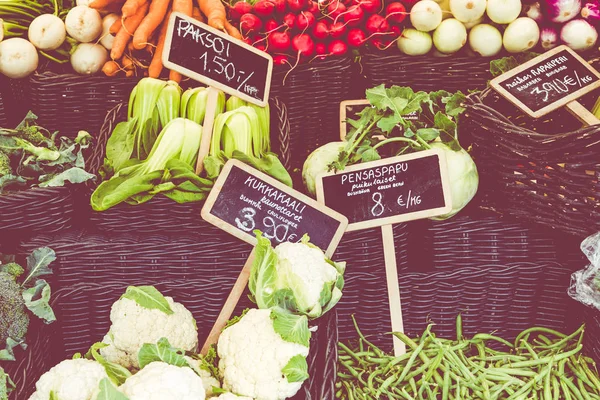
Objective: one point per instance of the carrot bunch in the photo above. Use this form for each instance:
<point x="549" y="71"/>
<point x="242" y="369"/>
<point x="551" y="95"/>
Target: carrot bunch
<point x="141" y="31"/>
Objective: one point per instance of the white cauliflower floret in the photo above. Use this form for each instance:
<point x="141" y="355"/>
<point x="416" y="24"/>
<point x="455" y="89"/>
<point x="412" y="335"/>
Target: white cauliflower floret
<point x="71" y="380"/>
<point x="308" y="263"/>
<point x="162" y="381"/>
<point x="134" y="325"/>
<point x="208" y="380"/>
<point x="231" y="396"/>
<point x="252" y="356"/>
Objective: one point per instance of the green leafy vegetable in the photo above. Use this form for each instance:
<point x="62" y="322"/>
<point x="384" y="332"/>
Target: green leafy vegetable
<point x="38" y="263"/>
<point x="161" y="351"/>
<point x="117" y="373"/>
<point x="6" y="385"/>
<point x="296" y="370"/>
<point x="109" y="392"/>
<point x="148" y="297"/>
<point x="291" y="328"/>
<point x="37" y="300"/>
<point x="505" y="64"/>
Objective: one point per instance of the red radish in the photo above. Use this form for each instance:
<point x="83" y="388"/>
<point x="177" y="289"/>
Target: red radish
<point x="395" y="12"/>
<point x="338" y="29"/>
<point x="321" y="30"/>
<point x="354" y="15"/>
<point x="381" y="43"/>
<point x="370" y="6"/>
<point x="376" y="23"/>
<point x="321" y="49"/>
<point x="338" y="48"/>
<point x="240" y="8"/>
<point x="279" y="41"/>
<point x="271" y="25"/>
<point x="280" y="6"/>
<point x="297" y="5"/>
<point x="289" y="20"/>
<point x="305" y="20"/>
<point x="356" y="38"/>
<point x="257" y="39"/>
<point x="335" y="9"/>
<point x="409" y="3"/>
<point x="280" y="59"/>
<point x="313" y="7"/>
<point x="395" y="30"/>
<point x="249" y="23"/>
<point x="303" y="44"/>
<point x="261" y="46"/>
<point x="264" y="8"/>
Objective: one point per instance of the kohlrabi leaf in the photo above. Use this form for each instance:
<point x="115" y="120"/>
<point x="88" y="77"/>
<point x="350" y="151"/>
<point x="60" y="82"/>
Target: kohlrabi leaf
<point x="428" y="134"/>
<point x="37" y="300"/>
<point x="161" y="351"/>
<point x="263" y="275"/>
<point x="38" y="262"/>
<point x="296" y="370"/>
<point x="109" y="392"/>
<point x="117" y="373"/>
<point x="73" y="175"/>
<point x="292" y="328"/>
<point x="148" y="297"/>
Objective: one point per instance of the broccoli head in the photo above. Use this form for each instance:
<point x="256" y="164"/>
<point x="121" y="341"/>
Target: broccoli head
<point x="5" y="168"/>
<point x="14" y="319"/>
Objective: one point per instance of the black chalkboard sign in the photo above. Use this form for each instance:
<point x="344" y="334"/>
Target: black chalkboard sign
<point x="548" y="82"/>
<point x="388" y="191"/>
<point x="207" y="55"/>
<point x="245" y="199"/>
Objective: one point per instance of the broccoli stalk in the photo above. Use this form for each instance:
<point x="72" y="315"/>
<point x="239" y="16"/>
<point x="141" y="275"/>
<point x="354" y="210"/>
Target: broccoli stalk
<point x="5" y="168"/>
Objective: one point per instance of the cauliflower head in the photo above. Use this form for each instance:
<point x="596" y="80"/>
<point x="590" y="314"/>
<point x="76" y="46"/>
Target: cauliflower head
<point x="295" y="276"/>
<point x="134" y="325"/>
<point x="231" y="396"/>
<point x="208" y="380"/>
<point x="71" y="380"/>
<point x="263" y="355"/>
<point x="162" y="381"/>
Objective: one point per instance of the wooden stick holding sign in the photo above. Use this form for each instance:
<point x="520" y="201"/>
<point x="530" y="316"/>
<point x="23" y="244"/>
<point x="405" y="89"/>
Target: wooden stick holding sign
<point x="548" y="82"/>
<point x="220" y="61"/>
<point x="243" y="200"/>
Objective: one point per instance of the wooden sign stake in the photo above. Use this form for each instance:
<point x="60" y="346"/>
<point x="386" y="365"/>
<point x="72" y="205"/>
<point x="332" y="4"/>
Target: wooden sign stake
<point x="207" y="127"/>
<point x="391" y="274"/>
<point x="582" y="113"/>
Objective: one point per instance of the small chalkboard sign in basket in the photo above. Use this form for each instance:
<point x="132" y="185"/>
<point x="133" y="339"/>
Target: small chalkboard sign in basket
<point x="162" y="214"/>
<point x="543" y="171"/>
<point x="188" y="268"/>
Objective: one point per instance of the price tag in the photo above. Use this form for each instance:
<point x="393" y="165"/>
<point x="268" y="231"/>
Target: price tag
<point x="207" y="55"/>
<point x="548" y="82"/>
<point x="244" y="199"/>
<point x="389" y="191"/>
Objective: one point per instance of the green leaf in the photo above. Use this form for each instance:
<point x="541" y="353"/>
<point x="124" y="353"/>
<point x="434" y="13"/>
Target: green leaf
<point x="292" y="328"/>
<point x="38" y="263"/>
<point x="444" y="123"/>
<point x="296" y="370"/>
<point x="6" y="385"/>
<point x="148" y="297"/>
<point x="236" y="319"/>
<point x="53" y="396"/>
<point x="109" y="392"/>
<point x="161" y="351"/>
<point x="409" y="133"/>
<point x="73" y="175"/>
<point x="387" y="124"/>
<point x="117" y="373"/>
<point x="268" y="163"/>
<point x="8" y="354"/>
<point x="263" y="274"/>
<point x="370" y="155"/>
<point x="37" y="299"/>
<point x="428" y="134"/>
<point x="119" y="147"/>
<point x="454" y="104"/>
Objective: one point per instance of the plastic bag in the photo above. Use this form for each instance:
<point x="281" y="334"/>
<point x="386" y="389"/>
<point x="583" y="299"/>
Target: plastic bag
<point x="585" y="284"/>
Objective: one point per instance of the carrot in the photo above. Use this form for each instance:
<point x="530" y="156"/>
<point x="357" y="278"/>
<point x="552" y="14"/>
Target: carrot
<point x="131" y="7"/>
<point x="100" y="4"/>
<point x="128" y="63"/>
<point x="196" y="14"/>
<point x="175" y="76"/>
<point x="214" y="12"/>
<point x="111" y="68"/>
<point x="155" y="16"/>
<point x="232" y="30"/>
<point x="183" y="6"/>
<point x="156" y="65"/>
<point x="116" y="26"/>
<point x="129" y="26"/>
<point x="130" y="73"/>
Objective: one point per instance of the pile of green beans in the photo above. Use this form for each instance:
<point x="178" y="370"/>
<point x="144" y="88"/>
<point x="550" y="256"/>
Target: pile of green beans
<point x="541" y="364"/>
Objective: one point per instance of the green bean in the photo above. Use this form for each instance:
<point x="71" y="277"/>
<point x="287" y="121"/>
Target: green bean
<point x="583" y="391"/>
<point x="565" y="340"/>
<point x="486" y="337"/>
<point x="576" y="393"/>
<point x="593" y="378"/>
<point x="545" y="360"/>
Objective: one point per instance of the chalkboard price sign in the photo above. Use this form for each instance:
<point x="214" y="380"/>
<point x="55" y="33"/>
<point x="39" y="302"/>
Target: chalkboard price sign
<point x="389" y="191"/>
<point x="207" y="55"/>
<point x="548" y="82"/>
<point x="244" y="199"/>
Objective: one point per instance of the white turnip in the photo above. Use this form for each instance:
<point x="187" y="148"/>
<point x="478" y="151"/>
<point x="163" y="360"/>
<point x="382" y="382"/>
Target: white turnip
<point x="18" y="58"/>
<point x="426" y="15"/>
<point x="108" y="38"/>
<point x="88" y="58"/>
<point x="450" y="36"/>
<point x="521" y="35"/>
<point x="579" y="35"/>
<point x="84" y="24"/>
<point x="414" y="42"/>
<point x="467" y="10"/>
<point x="47" y="32"/>
<point x="503" y="11"/>
<point x="485" y="40"/>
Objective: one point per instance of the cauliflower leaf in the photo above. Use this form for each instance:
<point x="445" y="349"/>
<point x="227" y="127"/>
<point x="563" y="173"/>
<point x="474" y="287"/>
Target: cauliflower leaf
<point x="161" y="351"/>
<point x="109" y="392"/>
<point x="117" y="373"/>
<point x="37" y="300"/>
<point x="148" y="297"/>
<point x="296" y="369"/>
<point x="291" y="328"/>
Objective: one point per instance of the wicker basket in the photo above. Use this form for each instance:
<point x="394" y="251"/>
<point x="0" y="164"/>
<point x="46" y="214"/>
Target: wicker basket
<point x="312" y="93"/>
<point x="167" y="215"/>
<point x="543" y="171"/>
<point x="425" y="73"/>
<point x="92" y="271"/>
<point x="69" y="103"/>
<point x="15" y="101"/>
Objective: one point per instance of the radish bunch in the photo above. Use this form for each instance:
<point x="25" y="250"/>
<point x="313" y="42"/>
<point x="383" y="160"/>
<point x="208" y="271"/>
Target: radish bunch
<point x="293" y="30"/>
